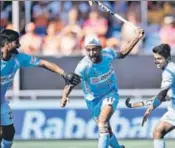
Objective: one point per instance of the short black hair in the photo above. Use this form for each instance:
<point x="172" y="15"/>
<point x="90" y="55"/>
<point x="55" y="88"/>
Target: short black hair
<point x="163" y="49"/>
<point x="7" y="36"/>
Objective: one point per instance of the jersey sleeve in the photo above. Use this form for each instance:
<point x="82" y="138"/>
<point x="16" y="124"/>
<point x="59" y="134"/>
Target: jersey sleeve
<point x="110" y="53"/>
<point x="80" y="69"/>
<point x="167" y="79"/>
<point x="28" y="60"/>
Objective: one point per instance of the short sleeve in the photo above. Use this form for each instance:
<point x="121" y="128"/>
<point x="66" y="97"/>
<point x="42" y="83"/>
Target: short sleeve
<point x="28" y="60"/>
<point x="110" y="53"/>
<point x="167" y="79"/>
<point x="80" y="69"/>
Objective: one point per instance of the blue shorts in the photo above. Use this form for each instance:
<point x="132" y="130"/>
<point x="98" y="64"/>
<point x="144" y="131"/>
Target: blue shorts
<point x="6" y="114"/>
<point x="96" y="105"/>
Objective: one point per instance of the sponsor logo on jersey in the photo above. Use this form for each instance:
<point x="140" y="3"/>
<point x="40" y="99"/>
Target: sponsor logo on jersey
<point x="33" y="60"/>
<point x="7" y="79"/>
<point x="102" y="78"/>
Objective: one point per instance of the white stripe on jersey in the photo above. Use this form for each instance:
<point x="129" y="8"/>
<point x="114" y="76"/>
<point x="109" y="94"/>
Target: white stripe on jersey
<point x="168" y="80"/>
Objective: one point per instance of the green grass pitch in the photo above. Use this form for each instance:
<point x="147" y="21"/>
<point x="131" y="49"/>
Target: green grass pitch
<point x="86" y="144"/>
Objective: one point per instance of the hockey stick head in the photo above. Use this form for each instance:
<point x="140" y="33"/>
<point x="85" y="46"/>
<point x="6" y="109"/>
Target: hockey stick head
<point x="127" y="102"/>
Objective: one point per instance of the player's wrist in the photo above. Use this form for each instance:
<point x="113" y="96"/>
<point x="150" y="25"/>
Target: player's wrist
<point x="137" y="38"/>
<point x="151" y="108"/>
<point x="63" y="74"/>
<point x="156" y="102"/>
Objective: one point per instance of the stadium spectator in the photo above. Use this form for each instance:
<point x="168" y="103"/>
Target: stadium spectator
<point x="40" y="16"/>
<point x="74" y="25"/>
<point x="3" y="19"/>
<point x="67" y="43"/>
<point x="155" y="12"/>
<point x="30" y="41"/>
<point x="168" y="8"/>
<point x="120" y="7"/>
<point x="167" y="32"/>
<point x="96" y="24"/>
<point x="84" y="9"/>
<point x="6" y="8"/>
<point x="50" y="46"/>
<point x="158" y="10"/>
<point x="65" y="7"/>
<point x="152" y="38"/>
<point x="72" y="32"/>
<point x="54" y="9"/>
<point x="81" y="21"/>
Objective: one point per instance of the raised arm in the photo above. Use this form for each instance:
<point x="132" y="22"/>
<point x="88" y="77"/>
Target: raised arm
<point x="71" y="78"/>
<point x="127" y="48"/>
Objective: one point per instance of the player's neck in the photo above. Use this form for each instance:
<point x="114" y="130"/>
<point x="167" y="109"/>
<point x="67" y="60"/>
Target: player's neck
<point x="166" y="65"/>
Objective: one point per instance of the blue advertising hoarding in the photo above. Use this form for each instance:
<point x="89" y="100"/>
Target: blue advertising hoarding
<point x="50" y="122"/>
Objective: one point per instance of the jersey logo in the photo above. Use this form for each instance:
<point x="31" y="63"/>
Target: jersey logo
<point x="33" y="60"/>
<point x="10" y="115"/>
<point x="102" y="78"/>
<point x="7" y="79"/>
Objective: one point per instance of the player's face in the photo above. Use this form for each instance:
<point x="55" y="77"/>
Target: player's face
<point x="93" y="53"/>
<point x="17" y="45"/>
<point x="159" y="60"/>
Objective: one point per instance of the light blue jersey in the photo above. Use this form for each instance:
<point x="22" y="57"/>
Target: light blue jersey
<point x="9" y="68"/>
<point x="98" y="80"/>
<point x="168" y="80"/>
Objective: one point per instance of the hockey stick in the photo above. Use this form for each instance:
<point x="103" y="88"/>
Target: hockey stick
<point x="141" y="103"/>
<point x="110" y="12"/>
<point x="138" y="104"/>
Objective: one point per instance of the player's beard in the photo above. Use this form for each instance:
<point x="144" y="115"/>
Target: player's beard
<point x="95" y="59"/>
<point x="9" y="55"/>
<point x="14" y="51"/>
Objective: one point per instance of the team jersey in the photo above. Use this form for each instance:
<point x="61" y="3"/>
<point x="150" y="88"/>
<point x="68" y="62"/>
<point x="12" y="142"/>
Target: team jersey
<point x="9" y="68"/>
<point x="168" y="80"/>
<point x="98" y="79"/>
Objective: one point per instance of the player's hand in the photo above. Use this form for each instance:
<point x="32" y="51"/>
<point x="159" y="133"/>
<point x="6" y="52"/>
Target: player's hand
<point x="140" y="33"/>
<point x="147" y="113"/>
<point x="72" y="78"/>
<point x="66" y="91"/>
<point x="64" y="101"/>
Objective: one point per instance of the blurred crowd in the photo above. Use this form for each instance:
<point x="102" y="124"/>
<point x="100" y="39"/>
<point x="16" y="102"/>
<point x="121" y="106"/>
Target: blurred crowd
<point x="58" y="28"/>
